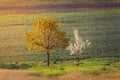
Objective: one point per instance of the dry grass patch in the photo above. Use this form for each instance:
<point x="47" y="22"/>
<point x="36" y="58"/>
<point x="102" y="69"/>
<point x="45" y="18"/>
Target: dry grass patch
<point x="30" y="75"/>
<point x="80" y="76"/>
<point x="20" y="75"/>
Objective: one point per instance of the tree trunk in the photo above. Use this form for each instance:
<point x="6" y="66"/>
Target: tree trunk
<point x="78" y="60"/>
<point x="48" y="60"/>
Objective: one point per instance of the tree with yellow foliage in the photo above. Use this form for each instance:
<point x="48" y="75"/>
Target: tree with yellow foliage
<point x="46" y="35"/>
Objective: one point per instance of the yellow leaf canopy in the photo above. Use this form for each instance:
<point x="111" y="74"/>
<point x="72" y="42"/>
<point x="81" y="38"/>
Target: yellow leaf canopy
<point x="46" y="35"/>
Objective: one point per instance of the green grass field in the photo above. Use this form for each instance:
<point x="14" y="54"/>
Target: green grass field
<point x="101" y="27"/>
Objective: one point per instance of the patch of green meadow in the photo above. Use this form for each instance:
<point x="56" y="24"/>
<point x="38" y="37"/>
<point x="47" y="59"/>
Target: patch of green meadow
<point x="93" y="66"/>
<point x="54" y="69"/>
<point x="88" y="67"/>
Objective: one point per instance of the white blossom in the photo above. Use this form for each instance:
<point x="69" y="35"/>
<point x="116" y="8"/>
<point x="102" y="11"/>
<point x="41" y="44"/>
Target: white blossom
<point x="79" y="44"/>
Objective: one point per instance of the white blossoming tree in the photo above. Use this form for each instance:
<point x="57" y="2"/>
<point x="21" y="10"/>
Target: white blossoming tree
<point x="79" y="45"/>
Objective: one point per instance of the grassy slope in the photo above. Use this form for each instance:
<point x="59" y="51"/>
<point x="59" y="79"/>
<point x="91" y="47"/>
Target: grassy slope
<point x="100" y="27"/>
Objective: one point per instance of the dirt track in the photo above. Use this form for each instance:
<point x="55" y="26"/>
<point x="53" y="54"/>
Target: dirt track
<point x="63" y="7"/>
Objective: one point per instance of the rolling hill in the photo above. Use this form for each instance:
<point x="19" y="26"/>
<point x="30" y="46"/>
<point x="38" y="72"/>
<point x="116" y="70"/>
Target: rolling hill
<point x="101" y="27"/>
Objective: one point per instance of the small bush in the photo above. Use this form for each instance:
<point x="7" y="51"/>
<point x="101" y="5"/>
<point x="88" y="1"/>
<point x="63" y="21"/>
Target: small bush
<point x="9" y="66"/>
<point x="62" y="68"/>
<point x="116" y="65"/>
<point x="21" y="65"/>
